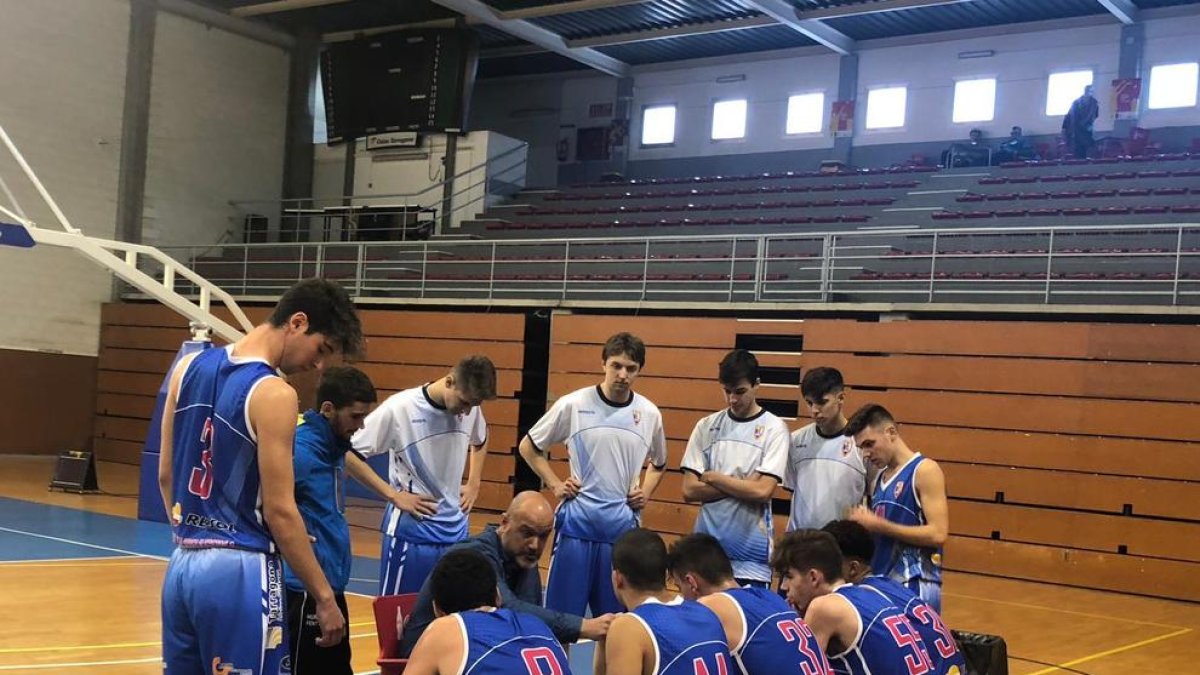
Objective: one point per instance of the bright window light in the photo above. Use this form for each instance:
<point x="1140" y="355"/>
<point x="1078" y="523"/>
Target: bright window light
<point x="805" y="113"/>
<point x="1173" y="85"/>
<point x="729" y="120"/>
<point x="886" y="107"/>
<point x="658" y="125"/>
<point x="975" y="100"/>
<point x="1063" y="89"/>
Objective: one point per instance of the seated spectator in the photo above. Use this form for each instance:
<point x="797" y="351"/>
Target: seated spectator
<point x="1015" y="149"/>
<point x="972" y="153"/>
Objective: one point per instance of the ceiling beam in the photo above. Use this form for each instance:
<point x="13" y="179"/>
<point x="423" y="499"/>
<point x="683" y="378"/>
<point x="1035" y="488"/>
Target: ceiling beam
<point x="1124" y="10"/>
<point x="343" y="35"/>
<point x="871" y="8"/>
<point x="237" y="25"/>
<point x="564" y="8"/>
<point x="785" y="13"/>
<point x="529" y="32"/>
<point x="673" y="31"/>
<point x="280" y="6"/>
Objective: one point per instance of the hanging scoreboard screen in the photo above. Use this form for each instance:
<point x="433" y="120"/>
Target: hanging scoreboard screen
<point x="404" y="81"/>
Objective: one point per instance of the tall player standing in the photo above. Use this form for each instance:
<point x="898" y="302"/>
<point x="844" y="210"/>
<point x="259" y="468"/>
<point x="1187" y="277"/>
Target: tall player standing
<point x="610" y="433"/>
<point x="226" y="478"/>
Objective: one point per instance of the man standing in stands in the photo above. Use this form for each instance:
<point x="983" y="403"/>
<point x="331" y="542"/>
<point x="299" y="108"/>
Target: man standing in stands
<point x="1077" y="125"/>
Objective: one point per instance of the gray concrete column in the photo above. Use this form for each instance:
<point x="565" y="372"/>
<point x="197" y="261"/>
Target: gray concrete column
<point x="298" y="151"/>
<point x="843" y="146"/>
<point x="1129" y="64"/>
<point x="135" y="120"/>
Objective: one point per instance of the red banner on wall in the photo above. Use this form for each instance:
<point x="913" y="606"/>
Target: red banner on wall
<point x="1126" y="93"/>
<point x="841" y="118"/>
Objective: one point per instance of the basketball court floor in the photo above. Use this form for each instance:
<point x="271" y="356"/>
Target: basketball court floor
<point x="81" y="580"/>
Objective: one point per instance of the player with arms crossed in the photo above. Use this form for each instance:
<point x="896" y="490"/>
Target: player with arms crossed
<point x="909" y="516"/>
<point x="610" y="432"/>
<point x="764" y="633"/>
<point x="226" y="479"/>
<point x="428" y="433"/>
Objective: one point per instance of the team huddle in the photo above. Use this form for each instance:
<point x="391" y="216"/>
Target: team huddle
<point x="858" y="568"/>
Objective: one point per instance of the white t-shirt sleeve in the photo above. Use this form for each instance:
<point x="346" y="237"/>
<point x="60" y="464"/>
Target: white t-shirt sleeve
<point x="658" y="444"/>
<point x="775" y="452"/>
<point x="693" y="456"/>
<point x="376" y="436"/>
<point x="479" y="430"/>
<point x="553" y="427"/>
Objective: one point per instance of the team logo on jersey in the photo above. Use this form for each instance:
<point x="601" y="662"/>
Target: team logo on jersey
<point x="285" y="665"/>
<point x="898" y="489"/>
<point x="637" y="417"/>
<point x="274" y="637"/>
<point x="758" y="432"/>
<point x="936" y="559"/>
<point x="226" y="668"/>
<point x="197" y="520"/>
<point x="847" y="446"/>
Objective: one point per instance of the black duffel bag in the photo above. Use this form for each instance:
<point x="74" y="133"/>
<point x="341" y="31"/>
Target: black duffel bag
<point x="985" y="654"/>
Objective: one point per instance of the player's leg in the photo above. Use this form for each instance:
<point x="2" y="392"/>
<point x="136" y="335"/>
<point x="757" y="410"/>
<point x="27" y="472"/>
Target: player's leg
<point x="392" y="558"/>
<point x="418" y="565"/>
<point x="570" y="572"/>
<point x="180" y="646"/>
<point x="602" y="598"/>
<point x="304" y="629"/>
<point x="238" y="608"/>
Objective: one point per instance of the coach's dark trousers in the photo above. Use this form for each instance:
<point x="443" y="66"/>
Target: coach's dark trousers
<point x="303" y="631"/>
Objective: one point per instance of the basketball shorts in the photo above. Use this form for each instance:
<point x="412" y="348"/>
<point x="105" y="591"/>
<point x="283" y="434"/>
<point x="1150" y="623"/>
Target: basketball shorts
<point x="223" y="612"/>
<point x="928" y="591"/>
<point x="581" y="577"/>
<point x="404" y="565"/>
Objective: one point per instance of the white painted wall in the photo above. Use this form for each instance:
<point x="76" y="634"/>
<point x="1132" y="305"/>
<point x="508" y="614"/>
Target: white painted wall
<point x="62" y="86"/>
<point x="218" y="113"/>
<point x="1169" y="41"/>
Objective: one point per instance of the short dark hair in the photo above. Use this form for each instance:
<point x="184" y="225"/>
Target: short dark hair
<point x="870" y="415"/>
<point x="641" y="557"/>
<point x="462" y="580"/>
<point x="329" y="309"/>
<point x="738" y="365"/>
<point x="344" y="386"/>
<point x="805" y="550"/>
<point x="819" y="382"/>
<point x="625" y="343"/>
<point x="475" y="375"/>
<point x="852" y="538"/>
<point x="700" y="554"/>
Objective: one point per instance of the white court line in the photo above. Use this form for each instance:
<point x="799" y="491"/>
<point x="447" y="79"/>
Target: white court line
<point x="81" y="664"/>
<point x="54" y="560"/>
<point x="82" y="543"/>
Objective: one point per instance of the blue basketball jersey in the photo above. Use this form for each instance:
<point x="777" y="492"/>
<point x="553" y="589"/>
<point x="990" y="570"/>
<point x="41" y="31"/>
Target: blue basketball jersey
<point x="896" y="500"/>
<point x="214" y="461"/>
<point x="774" y="638"/>
<point x="502" y="641"/>
<point x="887" y="643"/>
<point x="939" y="642"/>
<point x="688" y="637"/>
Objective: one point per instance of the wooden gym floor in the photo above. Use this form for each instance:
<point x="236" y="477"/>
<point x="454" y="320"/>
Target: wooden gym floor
<point x="81" y="579"/>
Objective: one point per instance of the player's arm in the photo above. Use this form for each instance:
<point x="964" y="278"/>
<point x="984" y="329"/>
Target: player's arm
<point x="273" y="409"/>
<point x="166" y="441"/>
<point x="930" y="484"/>
<point x="470" y="492"/>
<point x="440" y="649"/>
<point x="694" y="464"/>
<point x="723" y="606"/>
<point x="537" y="461"/>
<point x="376" y="437"/>
<point x="627" y="649"/>
<point x="657" y="460"/>
<point x="697" y="491"/>
<point x="757" y="488"/>
<point x="831" y="616"/>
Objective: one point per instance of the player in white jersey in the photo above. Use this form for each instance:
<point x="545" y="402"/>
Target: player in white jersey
<point x="734" y="460"/>
<point x="429" y="432"/>
<point x="610" y="433"/>
<point x="826" y="471"/>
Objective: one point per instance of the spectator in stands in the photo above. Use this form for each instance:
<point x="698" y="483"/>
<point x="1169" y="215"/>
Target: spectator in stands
<point x="1077" y="125"/>
<point x="972" y="153"/>
<point x="1016" y="148"/>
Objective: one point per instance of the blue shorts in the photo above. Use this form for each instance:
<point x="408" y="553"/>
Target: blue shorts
<point x="928" y="591"/>
<point x="581" y="577"/>
<point x="404" y="565"/>
<point x="223" y="612"/>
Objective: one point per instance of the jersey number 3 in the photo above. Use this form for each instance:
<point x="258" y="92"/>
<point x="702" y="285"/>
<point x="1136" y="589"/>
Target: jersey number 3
<point x="202" y="476"/>
<point x="797" y="631"/>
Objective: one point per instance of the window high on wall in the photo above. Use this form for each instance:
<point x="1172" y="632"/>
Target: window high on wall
<point x="975" y="100"/>
<point x="1173" y="85"/>
<point x="658" y="125"/>
<point x="805" y="113"/>
<point x="729" y="120"/>
<point x="886" y="107"/>
<point x="1063" y="88"/>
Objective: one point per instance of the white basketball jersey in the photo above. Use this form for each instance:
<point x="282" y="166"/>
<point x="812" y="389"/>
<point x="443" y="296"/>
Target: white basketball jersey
<point x="827" y="476"/>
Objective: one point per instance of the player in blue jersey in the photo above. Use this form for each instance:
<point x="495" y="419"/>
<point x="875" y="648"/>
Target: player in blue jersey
<point x="662" y="634"/>
<point x="734" y="460"/>
<point x="610" y="433"/>
<point x="474" y="634"/>
<point x="429" y="432"/>
<point x="765" y="635"/>
<point x="857" y="550"/>
<point x="226" y="479"/>
<point x="908" y="516"/>
<point x="860" y="629"/>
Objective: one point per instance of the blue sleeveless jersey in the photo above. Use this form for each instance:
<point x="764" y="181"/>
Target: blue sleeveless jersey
<point x="887" y="642"/>
<point x="896" y="500"/>
<point x="774" y="638"/>
<point x="939" y="642"/>
<point x="688" y="637"/>
<point x="502" y="641"/>
<point x="214" y="462"/>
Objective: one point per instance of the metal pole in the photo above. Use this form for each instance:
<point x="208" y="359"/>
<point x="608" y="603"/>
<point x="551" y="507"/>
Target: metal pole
<point x="566" y="264"/>
<point x="359" y="271"/>
<point x="827" y="252"/>
<point x="492" y="272"/>
<point x="932" y="265"/>
<point x="1049" y="266"/>
<point x="424" y="266"/>
<point x="450" y="162"/>
<point x="16" y="154"/>
<point x="1178" y="256"/>
<point x="732" y="265"/>
<point x="760" y="265"/>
